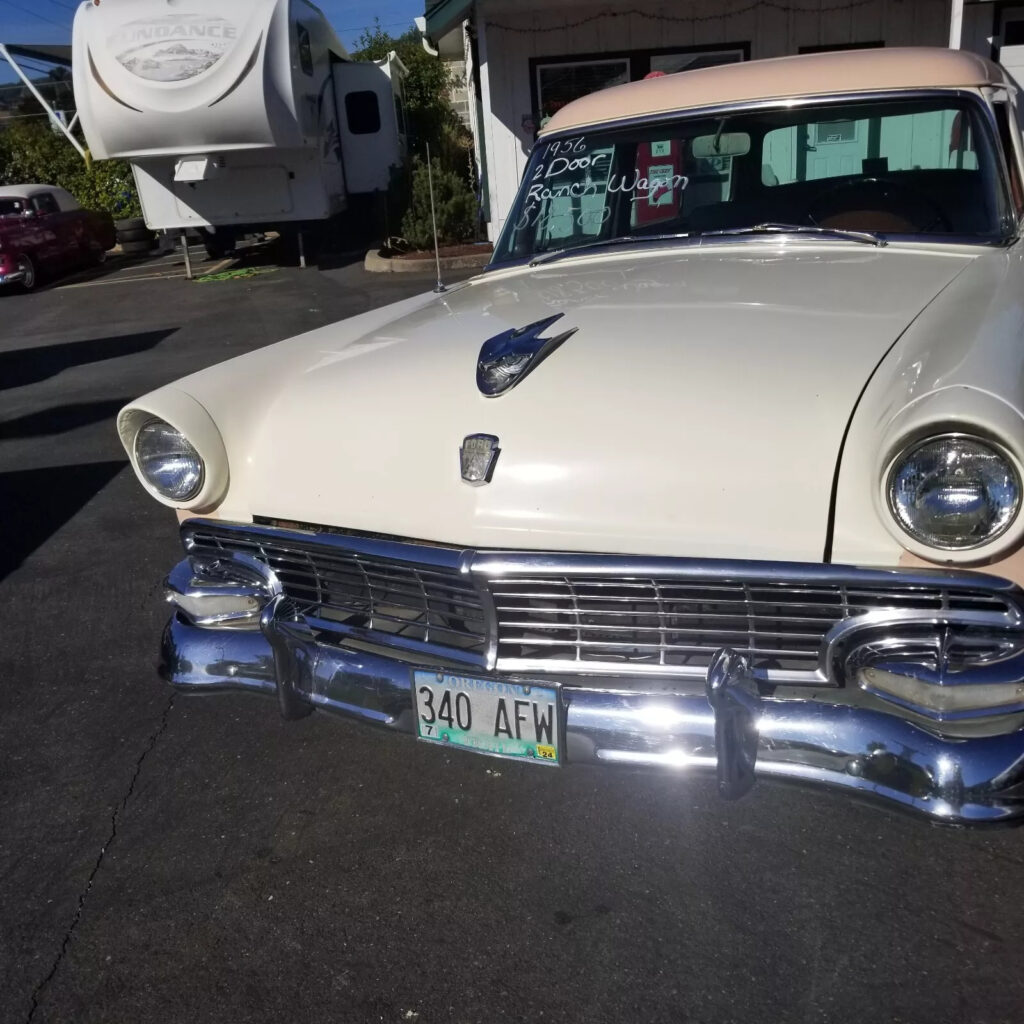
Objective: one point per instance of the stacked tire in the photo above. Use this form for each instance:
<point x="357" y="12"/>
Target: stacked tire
<point x="134" y="237"/>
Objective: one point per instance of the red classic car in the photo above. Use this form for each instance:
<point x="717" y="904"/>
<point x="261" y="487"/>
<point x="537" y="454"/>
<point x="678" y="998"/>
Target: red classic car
<point x="43" y="230"/>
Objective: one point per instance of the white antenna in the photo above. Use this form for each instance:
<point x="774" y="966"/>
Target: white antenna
<point x="433" y="220"/>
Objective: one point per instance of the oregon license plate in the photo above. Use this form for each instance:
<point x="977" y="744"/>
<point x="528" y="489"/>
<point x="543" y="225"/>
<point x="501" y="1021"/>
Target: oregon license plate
<point x="489" y="716"/>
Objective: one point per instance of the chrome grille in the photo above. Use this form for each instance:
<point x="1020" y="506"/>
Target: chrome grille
<point x="675" y="624"/>
<point x="533" y="612"/>
<point x="347" y="591"/>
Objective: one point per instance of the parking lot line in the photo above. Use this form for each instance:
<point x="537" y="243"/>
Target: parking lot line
<point x="123" y="279"/>
<point x="167" y="267"/>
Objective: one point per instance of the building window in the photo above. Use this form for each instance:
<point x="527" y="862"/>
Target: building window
<point x="827" y="133"/>
<point x="672" y="63"/>
<point x="874" y="44"/>
<point x="363" y="112"/>
<point x="559" y="84"/>
<point x="556" y="81"/>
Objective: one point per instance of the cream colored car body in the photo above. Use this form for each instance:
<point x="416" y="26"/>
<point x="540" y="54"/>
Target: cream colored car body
<point x="699" y="410"/>
<point x="732" y="402"/>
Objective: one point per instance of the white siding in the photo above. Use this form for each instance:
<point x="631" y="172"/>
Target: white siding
<point x="509" y="37"/>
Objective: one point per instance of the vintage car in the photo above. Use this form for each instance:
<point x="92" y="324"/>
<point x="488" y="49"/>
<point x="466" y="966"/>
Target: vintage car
<point x="43" y="230"/>
<point x="718" y="465"/>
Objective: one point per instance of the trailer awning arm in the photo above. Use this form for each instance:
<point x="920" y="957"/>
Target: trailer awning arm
<point x="7" y="54"/>
<point x="45" y="52"/>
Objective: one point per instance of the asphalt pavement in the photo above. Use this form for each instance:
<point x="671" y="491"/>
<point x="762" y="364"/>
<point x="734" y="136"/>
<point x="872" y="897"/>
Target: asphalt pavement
<point x="173" y="859"/>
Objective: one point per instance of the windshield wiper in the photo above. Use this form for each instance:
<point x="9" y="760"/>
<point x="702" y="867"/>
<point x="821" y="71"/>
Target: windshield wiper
<point x="767" y="228"/>
<point x="571" y="250"/>
<point x="774" y="228"/>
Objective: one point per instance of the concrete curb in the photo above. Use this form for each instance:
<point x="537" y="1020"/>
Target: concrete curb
<point x="378" y="264"/>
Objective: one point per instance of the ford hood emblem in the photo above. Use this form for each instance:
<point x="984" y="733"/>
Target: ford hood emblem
<point x="477" y="456"/>
<point x="507" y="358"/>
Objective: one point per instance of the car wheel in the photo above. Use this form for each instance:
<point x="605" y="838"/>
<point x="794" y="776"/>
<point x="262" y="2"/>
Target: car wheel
<point x="94" y="255"/>
<point x="137" y="248"/>
<point x="29" y="276"/>
<point x="129" y="225"/>
<point x="135" y="235"/>
<point x="219" y="243"/>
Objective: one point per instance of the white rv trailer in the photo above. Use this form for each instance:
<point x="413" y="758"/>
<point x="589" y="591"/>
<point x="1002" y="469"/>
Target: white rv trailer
<point x="233" y="113"/>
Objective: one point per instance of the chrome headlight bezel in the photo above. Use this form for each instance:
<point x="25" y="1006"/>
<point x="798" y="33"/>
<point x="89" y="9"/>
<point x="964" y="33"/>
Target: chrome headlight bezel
<point x="929" y="546"/>
<point x="183" y="449"/>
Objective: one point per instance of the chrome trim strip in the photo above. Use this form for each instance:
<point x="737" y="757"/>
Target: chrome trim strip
<point x="640" y="244"/>
<point x="497" y="564"/>
<point x="339" y="632"/>
<point x="483" y="591"/>
<point x="421" y="555"/>
<point x="860" y="751"/>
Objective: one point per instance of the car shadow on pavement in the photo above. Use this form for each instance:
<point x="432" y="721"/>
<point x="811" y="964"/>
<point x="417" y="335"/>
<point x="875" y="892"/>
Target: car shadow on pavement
<point x="31" y="365"/>
<point x="61" y="418"/>
<point x="36" y="503"/>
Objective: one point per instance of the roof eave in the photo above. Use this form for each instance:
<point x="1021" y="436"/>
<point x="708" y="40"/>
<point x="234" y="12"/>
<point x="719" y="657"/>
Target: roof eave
<point x="444" y="15"/>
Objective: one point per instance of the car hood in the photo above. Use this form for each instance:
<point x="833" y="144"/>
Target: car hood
<point x="699" y="409"/>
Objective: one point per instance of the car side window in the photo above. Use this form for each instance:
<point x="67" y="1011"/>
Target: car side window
<point x="927" y="140"/>
<point x="12" y="207"/>
<point x="45" y="203"/>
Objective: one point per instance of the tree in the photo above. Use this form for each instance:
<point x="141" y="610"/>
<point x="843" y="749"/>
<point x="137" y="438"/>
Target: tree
<point x="58" y="84"/>
<point x="431" y="120"/>
<point x="30" y="151"/>
<point x="454" y="207"/>
<point x="428" y="109"/>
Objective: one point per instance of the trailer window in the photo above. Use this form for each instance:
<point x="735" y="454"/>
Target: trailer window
<point x="363" y="112"/>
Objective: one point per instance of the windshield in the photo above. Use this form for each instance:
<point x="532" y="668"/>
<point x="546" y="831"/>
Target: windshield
<point x="905" y="167"/>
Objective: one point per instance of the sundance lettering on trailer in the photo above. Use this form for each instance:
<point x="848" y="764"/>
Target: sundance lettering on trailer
<point x="168" y="28"/>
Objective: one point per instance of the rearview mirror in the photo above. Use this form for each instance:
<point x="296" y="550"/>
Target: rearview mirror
<point x="707" y="147"/>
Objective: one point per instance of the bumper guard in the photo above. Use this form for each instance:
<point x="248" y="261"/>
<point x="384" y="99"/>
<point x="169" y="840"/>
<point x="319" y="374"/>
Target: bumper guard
<point x="729" y="729"/>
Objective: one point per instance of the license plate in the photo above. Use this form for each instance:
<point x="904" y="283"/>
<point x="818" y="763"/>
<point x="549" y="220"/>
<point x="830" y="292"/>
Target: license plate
<point x="489" y="716"/>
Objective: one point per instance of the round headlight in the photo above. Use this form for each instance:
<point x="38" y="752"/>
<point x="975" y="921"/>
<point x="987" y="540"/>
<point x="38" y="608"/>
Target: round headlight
<point x="168" y="462"/>
<point x="953" y="492"/>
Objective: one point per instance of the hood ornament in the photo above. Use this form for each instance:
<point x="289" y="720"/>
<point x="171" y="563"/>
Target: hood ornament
<point x="477" y="456"/>
<point x="507" y="358"/>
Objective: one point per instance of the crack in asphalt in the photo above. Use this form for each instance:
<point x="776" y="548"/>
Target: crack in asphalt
<point x="84" y="895"/>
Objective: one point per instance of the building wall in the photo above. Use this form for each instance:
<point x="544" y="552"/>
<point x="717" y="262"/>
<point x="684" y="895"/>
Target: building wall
<point x="509" y="36"/>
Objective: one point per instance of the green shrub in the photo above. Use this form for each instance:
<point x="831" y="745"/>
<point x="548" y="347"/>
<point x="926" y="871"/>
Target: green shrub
<point x="34" y="153"/>
<point x="454" y="204"/>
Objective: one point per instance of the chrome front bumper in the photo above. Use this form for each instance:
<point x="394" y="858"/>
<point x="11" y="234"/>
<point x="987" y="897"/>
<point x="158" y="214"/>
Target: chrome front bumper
<point x="729" y="729"/>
